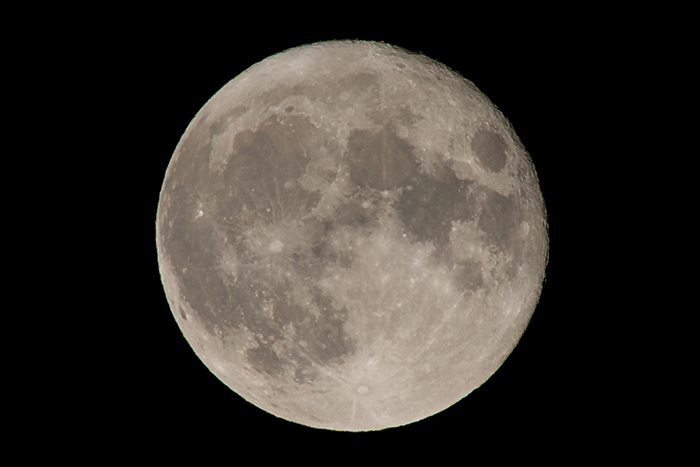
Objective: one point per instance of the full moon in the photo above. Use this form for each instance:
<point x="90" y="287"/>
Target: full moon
<point x="351" y="236"/>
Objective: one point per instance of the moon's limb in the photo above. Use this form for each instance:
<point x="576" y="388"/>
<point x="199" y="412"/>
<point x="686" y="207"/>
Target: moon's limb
<point x="350" y="236"/>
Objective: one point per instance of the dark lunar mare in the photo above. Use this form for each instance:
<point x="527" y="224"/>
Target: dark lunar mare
<point x="490" y="148"/>
<point x="379" y="160"/>
<point x="257" y="187"/>
<point x="429" y="203"/>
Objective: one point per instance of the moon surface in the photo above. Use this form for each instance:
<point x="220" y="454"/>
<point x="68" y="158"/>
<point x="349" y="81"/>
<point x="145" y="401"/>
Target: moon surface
<point x="351" y="236"/>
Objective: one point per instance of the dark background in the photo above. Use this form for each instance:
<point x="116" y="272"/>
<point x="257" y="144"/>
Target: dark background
<point x="143" y="77"/>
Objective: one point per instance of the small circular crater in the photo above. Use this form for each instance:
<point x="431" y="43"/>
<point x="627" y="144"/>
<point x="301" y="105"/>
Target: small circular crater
<point x="276" y="246"/>
<point x="289" y="109"/>
<point x="525" y="228"/>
